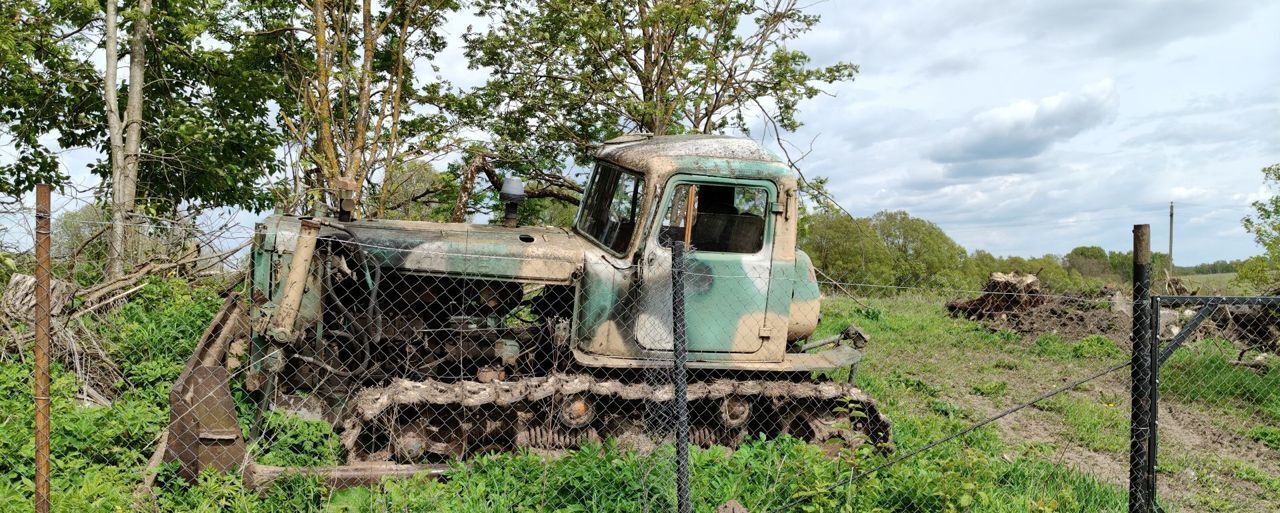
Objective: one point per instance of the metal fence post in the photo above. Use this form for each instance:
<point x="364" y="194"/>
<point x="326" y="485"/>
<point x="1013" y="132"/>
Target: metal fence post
<point x="1153" y="391"/>
<point x="41" y="371"/>
<point x="680" y="355"/>
<point x="1141" y="481"/>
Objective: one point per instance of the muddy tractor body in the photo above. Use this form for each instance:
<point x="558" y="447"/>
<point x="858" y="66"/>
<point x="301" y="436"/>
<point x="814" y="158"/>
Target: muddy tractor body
<point x="423" y="341"/>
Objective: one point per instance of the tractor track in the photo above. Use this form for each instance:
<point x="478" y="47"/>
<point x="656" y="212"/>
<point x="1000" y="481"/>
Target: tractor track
<point x="815" y="411"/>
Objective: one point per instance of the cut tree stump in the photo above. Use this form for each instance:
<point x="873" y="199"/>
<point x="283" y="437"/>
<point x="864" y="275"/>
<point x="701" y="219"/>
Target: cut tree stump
<point x="1003" y="293"/>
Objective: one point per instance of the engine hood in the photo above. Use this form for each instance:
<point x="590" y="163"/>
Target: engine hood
<point x="537" y="254"/>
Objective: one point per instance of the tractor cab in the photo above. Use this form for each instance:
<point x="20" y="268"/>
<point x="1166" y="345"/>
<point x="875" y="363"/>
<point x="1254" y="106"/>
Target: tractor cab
<point x="749" y="291"/>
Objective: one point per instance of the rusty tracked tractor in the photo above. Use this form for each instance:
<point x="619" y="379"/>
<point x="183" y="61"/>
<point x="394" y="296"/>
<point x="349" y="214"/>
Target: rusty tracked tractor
<point x="422" y="341"/>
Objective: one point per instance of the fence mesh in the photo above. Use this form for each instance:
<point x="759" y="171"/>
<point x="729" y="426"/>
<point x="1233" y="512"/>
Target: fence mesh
<point x="470" y="369"/>
<point x="1219" y="405"/>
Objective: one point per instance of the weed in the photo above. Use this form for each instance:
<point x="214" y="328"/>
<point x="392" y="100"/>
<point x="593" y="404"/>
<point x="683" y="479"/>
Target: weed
<point x="97" y="451"/>
<point x="869" y="313"/>
<point x="900" y="379"/>
<point x="1099" y="426"/>
<point x="1267" y="435"/>
<point x="991" y="388"/>
<point x="1096" y="346"/>
<point x="1052" y="346"/>
<point x="1004" y="364"/>
<point x="947" y="409"/>
<point x="288" y="440"/>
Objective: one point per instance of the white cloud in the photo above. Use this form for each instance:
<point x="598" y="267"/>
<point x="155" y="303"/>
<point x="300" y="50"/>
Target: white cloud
<point x="1025" y="129"/>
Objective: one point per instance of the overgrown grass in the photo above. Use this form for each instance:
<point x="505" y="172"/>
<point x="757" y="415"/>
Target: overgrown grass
<point x="1206" y="373"/>
<point x="1092" y="346"/>
<point x="96" y="451"/>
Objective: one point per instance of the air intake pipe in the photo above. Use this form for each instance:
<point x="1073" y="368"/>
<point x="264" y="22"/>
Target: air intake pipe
<point x="295" y="283"/>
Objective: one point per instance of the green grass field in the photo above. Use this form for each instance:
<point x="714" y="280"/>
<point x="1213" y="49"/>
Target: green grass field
<point x="931" y="374"/>
<point x="1220" y="283"/>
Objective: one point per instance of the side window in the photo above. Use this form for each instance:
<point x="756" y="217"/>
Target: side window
<point x="716" y="218"/>
<point x="610" y="209"/>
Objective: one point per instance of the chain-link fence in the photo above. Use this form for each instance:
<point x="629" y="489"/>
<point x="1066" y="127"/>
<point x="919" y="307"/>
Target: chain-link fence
<point x="387" y="366"/>
<point x="1219" y="402"/>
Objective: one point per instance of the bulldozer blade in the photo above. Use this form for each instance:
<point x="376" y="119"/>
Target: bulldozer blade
<point x="204" y="432"/>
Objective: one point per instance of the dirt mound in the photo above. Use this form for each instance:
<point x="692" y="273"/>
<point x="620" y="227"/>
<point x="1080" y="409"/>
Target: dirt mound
<point x="1016" y="302"/>
<point x="1071" y="319"/>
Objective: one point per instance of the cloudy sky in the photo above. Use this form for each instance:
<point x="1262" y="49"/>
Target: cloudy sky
<point x="1031" y="127"/>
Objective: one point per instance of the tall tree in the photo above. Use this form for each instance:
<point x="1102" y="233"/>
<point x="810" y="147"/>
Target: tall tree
<point x="192" y="127"/>
<point x="923" y="255"/>
<point x="358" y="108"/>
<point x="567" y="74"/>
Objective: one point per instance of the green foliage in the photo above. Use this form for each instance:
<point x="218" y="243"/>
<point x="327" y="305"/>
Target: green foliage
<point x="1092" y="346"/>
<point x="97" y="451"/>
<point x="569" y="74"/>
<point x="1098" y="424"/>
<point x="216" y="492"/>
<point x="209" y="140"/>
<point x="848" y="249"/>
<point x="1089" y="261"/>
<point x="1097" y="346"/>
<point x="893" y="250"/>
<point x="47" y="88"/>
<point x="78" y="238"/>
<point x="86" y="441"/>
<point x="1214" y="267"/>
<point x="1257" y="274"/>
<point x="991" y="388"/>
<point x="289" y="441"/>
<point x="922" y="254"/>
<point x="1263" y="272"/>
<point x="154" y="333"/>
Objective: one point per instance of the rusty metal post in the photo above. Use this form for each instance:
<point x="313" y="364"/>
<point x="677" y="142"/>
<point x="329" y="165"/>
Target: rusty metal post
<point x="42" y="350"/>
<point x="1141" y="432"/>
<point x="680" y="348"/>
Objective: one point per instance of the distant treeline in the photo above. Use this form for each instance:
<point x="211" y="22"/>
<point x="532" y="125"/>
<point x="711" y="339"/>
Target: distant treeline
<point x="1218" y="267"/>
<point x="893" y="249"/>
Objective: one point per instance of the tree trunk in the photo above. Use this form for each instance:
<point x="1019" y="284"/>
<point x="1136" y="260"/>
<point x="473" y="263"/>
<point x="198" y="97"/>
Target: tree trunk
<point x="356" y="160"/>
<point x="324" y="107"/>
<point x="465" y="187"/>
<point x="125" y="159"/>
<point x="115" y="253"/>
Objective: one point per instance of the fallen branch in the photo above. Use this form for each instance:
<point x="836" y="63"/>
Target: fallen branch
<point x="143" y="490"/>
<point x="94" y="296"/>
<point x="113" y="299"/>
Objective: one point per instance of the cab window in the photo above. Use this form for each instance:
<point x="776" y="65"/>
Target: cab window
<point x="716" y="218"/>
<point x="611" y="206"/>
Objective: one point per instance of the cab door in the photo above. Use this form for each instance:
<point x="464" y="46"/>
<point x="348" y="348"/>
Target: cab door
<point x="727" y="274"/>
